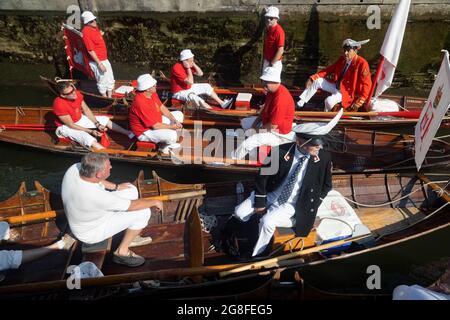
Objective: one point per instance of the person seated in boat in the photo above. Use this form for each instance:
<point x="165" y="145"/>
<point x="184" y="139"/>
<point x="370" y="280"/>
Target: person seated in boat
<point x="13" y="259"/>
<point x="150" y="120"/>
<point x="96" y="48"/>
<point x="291" y="196"/>
<point x="274" y="122"/>
<point x="183" y="86"/>
<point x="77" y="122"/>
<point x="348" y="81"/>
<point x="97" y="209"/>
<point x="273" y="40"/>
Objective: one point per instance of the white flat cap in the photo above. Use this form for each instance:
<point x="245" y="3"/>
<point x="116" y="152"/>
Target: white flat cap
<point x="272" y="12"/>
<point x="88" y="17"/>
<point x="353" y="43"/>
<point x="315" y="130"/>
<point x="145" y="82"/>
<point x="271" y="74"/>
<point x="186" y="54"/>
<point x="4" y="230"/>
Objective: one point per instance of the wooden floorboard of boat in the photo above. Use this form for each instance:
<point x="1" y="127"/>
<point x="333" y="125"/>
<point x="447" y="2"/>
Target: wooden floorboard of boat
<point x="388" y="219"/>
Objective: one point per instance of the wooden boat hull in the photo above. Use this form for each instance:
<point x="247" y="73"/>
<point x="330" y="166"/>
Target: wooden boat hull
<point x="403" y="227"/>
<point x="359" y="120"/>
<point x="352" y="150"/>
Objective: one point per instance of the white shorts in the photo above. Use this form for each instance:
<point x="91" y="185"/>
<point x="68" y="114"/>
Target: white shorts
<point x="278" y="65"/>
<point x="193" y="94"/>
<point x="10" y="259"/>
<point x="119" y="221"/>
<point x="105" y="81"/>
<point x="166" y="136"/>
<point x="81" y="137"/>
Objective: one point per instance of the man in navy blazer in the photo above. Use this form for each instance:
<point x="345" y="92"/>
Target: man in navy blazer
<point x="291" y="196"/>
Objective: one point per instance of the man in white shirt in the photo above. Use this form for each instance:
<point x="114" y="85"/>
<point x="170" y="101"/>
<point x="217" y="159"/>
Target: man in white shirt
<point x="98" y="209"/>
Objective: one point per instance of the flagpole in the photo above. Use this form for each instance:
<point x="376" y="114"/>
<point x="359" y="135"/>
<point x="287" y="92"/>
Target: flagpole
<point x="374" y="82"/>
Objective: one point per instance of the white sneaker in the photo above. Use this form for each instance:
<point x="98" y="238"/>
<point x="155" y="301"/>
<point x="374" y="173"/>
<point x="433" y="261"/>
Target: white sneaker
<point x="227" y="103"/>
<point x="300" y="103"/>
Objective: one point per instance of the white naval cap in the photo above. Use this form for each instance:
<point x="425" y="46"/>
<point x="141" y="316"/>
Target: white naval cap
<point x="353" y="43"/>
<point x="88" y="17"/>
<point x="186" y="54"/>
<point x="145" y="82"/>
<point x="316" y="130"/>
<point x="271" y="74"/>
<point x="272" y="12"/>
<point x="4" y="230"/>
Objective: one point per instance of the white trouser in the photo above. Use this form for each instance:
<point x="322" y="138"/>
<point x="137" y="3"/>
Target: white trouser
<point x="275" y="217"/>
<point x="105" y="80"/>
<point x="193" y="94"/>
<point x="247" y="123"/>
<point x="269" y="138"/>
<point x="278" y="65"/>
<point x="166" y="136"/>
<point x="83" y="138"/>
<point x="119" y="221"/>
<point x="10" y="259"/>
<point x="327" y="86"/>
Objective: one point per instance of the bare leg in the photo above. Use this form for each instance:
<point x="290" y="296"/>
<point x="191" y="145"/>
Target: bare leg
<point x="129" y="236"/>
<point x="216" y="98"/>
<point x="34" y="254"/>
<point x="114" y="127"/>
<point x="109" y="93"/>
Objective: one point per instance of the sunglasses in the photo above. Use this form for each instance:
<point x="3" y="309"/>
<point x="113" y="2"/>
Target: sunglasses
<point x="69" y="93"/>
<point x="270" y="18"/>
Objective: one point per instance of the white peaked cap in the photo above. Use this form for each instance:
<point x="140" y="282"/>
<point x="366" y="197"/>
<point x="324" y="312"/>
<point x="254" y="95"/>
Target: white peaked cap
<point x="88" y="17"/>
<point x="4" y="230"/>
<point x="271" y="74"/>
<point x="145" y="82"/>
<point x="318" y="128"/>
<point x="186" y="54"/>
<point x="272" y="12"/>
<point x="353" y="43"/>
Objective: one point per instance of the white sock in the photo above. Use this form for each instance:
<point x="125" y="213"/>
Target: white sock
<point x="61" y="244"/>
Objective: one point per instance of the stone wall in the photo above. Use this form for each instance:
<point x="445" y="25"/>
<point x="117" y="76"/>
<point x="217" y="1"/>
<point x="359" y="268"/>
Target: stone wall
<point x="230" y="43"/>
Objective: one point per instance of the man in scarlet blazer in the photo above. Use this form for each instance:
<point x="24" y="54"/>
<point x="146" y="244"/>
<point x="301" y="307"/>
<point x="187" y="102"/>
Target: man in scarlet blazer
<point x="291" y="196"/>
<point x="348" y="80"/>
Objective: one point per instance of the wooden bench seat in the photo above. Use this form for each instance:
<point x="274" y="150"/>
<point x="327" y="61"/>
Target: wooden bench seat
<point x="96" y="252"/>
<point x="286" y="238"/>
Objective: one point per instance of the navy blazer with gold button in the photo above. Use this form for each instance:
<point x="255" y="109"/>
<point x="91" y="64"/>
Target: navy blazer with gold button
<point x="315" y="185"/>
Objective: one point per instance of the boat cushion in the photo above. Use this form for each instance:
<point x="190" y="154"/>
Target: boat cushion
<point x="146" y="145"/>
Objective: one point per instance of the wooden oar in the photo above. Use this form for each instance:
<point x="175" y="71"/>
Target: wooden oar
<point x="265" y="263"/>
<point x="54" y="213"/>
<point x="435" y="187"/>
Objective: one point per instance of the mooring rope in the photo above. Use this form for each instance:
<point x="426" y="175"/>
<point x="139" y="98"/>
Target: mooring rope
<point x="440" y="192"/>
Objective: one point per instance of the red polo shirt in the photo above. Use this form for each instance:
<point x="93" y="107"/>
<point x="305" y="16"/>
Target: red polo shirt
<point x="279" y="110"/>
<point x="177" y="76"/>
<point x="64" y="107"/>
<point x="273" y="40"/>
<point x="144" y="113"/>
<point x="93" y="41"/>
